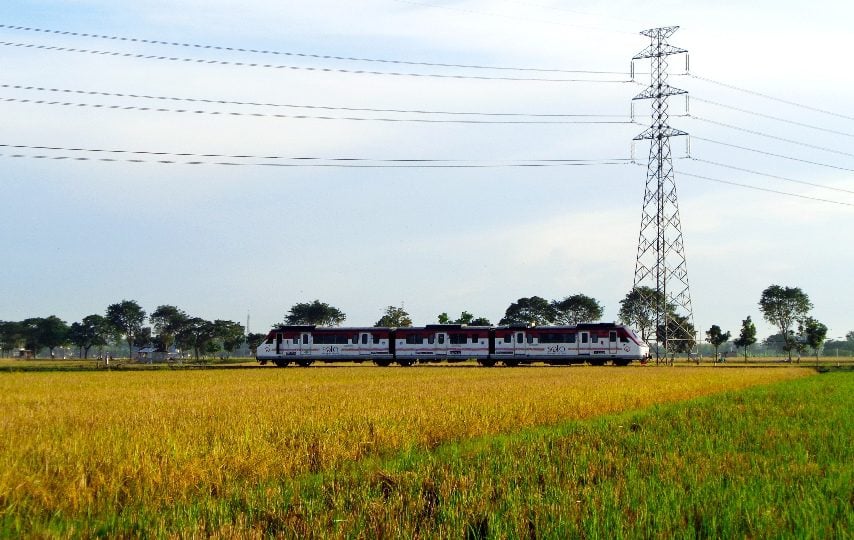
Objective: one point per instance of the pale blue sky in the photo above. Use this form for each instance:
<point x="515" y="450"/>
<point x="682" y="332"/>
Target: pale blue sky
<point x="220" y="241"/>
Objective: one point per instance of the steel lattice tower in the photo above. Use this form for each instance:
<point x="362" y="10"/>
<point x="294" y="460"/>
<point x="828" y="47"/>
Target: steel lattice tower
<point x="661" y="273"/>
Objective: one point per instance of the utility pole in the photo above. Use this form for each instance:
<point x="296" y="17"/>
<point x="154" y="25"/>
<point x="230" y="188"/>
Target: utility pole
<point x="661" y="273"/>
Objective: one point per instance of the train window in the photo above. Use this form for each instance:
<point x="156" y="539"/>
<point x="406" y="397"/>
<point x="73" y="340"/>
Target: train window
<point x="364" y="339"/>
<point x="475" y="339"/>
<point x="507" y="338"/>
<point x="441" y="339"/>
<point x="530" y="338"/>
<point x="269" y="340"/>
<point x="624" y="339"/>
<point x="305" y="339"/>
<point x="584" y="337"/>
<point x="571" y="338"/>
<point x="457" y="339"/>
<point x="414" y="339"/>
<point x="376" y="339"/>
<point x="612" y="337"/>
<point x="519" y="337"/>
<point x="296" y="341"/>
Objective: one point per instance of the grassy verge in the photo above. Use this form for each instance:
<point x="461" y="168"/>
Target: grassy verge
<point x="773" y="461"/>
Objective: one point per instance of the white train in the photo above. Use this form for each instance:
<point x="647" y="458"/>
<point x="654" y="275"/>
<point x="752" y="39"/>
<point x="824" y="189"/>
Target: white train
<point x="595" y="344"/>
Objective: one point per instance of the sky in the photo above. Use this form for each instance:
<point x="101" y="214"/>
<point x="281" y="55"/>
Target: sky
<point x="227" y="241"/>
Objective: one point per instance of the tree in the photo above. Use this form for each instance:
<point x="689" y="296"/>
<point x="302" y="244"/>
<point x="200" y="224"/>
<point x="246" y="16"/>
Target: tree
<point x="197" y="335"/>
<point x="637" y="309"/>
<point x="465" y="318"/>
<point x="126" y="318"/>
<point x="11" y="336"/>
<point x="850" y="336"/>
<point x="394" y="317"/>
<point x="30" y="335"/>
<point x="230" y="334"/>
<point x="533" y="311"/>
<point x="168" y="322"/>
<point x="716" y="337"/>
<point x="815" y="334"/>
<point x="317" y="313"/>
<point x="577" y="308"/>
<point x="92" y="331"/>
<point x="143" y="338"/>
<point x="783" y="307"/>
<point x="747" y="337"/>
<point x="50" y="332"/>
<point x="54" y="332"/>
<point x="254" y="340"/>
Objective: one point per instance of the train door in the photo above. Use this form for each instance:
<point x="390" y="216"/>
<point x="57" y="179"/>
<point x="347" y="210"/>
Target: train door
<point x="305" y="344"/>
<point x="364" y="344"/>
<point x="440" y="346"/>
<point x="520" y="346"/>
<point x="584" y="344"/>
<point x="613" y="342"/>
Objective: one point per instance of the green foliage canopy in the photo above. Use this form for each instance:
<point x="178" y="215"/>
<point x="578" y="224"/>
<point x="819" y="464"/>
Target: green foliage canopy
<point x="316" y="312"/>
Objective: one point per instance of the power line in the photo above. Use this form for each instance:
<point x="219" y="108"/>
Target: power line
<point x="769" y="136"/>
<point x="315" y="165"/>
<point x="766" y="96"/>
<point x="294" y="106"/>
<point x="767" y="190"/>
<point x="772" y="154"/>
<point x="402" y="161"/>
<point x="770" y="117"/>
<point x="758" y="173"/>
<point x="296" y="68"/>
<point x="301" y="54"/>
<point x="511" y="17"/>
<point x="301" y="116"/>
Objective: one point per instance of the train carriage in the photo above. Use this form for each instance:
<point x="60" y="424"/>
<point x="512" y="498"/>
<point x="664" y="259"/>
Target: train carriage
<point x="512" y="345"/>
<point x="442" y="342"/>
<point x="305" y="344"/>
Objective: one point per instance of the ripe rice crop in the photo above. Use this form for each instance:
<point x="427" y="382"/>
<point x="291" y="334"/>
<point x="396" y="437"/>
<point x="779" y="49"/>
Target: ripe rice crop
<point x="89" y="445"/>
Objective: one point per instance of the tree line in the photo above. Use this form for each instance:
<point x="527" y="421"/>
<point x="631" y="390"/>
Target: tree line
<point x="124" y="322"/>
<point x="170" y="327"/>
<point x="787" y="308"/>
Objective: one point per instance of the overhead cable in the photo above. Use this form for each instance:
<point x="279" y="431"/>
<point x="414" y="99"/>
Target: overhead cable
<point x="766" y="96"/>
<point x="294" y="106"/>
<point x="756" y="188"/>
<point x="770" y="117"/>
<point x="205" y="61"/>
<point x="772" y="154"/>
<point x="758" y="173"/>
<point x="401" y="161"/>
<point x="769" y="136"/>
<point x="512" y="17"/>
<point x="302" y="54"/>
<point x="300" y="116"/>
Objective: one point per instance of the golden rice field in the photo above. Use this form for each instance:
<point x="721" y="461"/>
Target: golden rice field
<point x="88" y="442"/>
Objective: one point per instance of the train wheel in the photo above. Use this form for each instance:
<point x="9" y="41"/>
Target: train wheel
<point x="486" y="363"/>
<point x="621" y="362"/>
<point x="511" y="363"/>
<point x="406" y="363"/>
<point x="305" y="363"/>
<point x="597" y="362"/>
<point x="280" y="363"/>
<point x="382" y="363"/>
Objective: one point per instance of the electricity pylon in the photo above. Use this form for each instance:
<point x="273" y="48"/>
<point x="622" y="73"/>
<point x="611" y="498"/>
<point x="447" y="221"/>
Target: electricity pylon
<point x="661" y="273"/>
